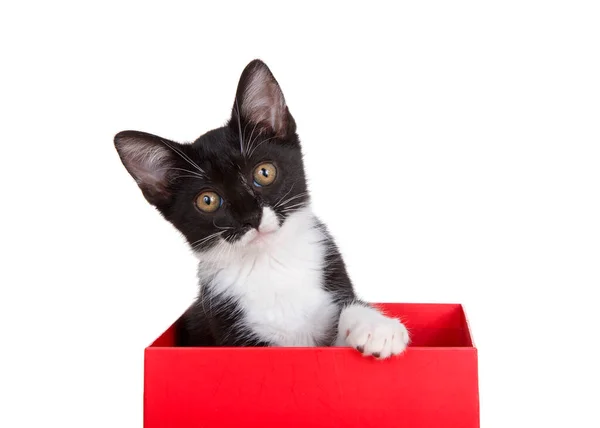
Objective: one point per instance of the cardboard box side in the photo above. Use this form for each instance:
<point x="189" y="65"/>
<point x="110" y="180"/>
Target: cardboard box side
<point x="319" y="387"/>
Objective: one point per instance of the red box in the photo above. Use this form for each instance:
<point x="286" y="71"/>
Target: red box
<point x="433" y="384"/>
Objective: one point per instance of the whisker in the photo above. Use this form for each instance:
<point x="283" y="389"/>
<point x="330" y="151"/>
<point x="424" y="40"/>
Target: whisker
<point x="252" y="141"/>
<point x="182" y="155"/>
<point x="191" y="172"/>
<point x="287" y="193"/>
<point x="244" y="133"/>
<point x="260" y="144"/>
<point x="293" y="208"/>
<point x="194" y="174"/>
<point x="198" y="244"/>
<point x="237" y="107"/>
<point x="251" y="134"/>
<point x="205" y="239"/>
<point x="190" y="176"/>
<point x="299" y="195"/>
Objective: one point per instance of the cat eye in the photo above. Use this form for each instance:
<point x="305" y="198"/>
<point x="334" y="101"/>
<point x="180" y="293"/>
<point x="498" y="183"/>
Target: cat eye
<point x="264" y="174"/>
<point x="208" y="201"/>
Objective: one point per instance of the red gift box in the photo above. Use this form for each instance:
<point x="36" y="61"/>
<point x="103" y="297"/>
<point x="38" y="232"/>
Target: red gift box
<point x="433" y="384"/>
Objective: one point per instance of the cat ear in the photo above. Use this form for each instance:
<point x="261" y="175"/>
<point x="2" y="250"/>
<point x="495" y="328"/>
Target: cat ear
<point x="259" y="101"/>
<point x="149" y="159"/>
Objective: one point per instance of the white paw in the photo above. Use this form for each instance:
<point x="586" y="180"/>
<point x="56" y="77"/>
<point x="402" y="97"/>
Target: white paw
<point x="371" y="333"/>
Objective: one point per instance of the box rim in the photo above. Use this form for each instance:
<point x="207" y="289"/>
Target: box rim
<point x="448" y="304"/>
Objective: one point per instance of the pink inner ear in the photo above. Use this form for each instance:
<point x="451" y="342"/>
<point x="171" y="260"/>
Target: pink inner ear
<point x="263" y="102"/>
<point x="148" y="163"/>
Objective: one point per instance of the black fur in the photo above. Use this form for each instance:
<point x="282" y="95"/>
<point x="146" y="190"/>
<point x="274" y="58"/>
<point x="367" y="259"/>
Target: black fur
<point x="227" y="157"/>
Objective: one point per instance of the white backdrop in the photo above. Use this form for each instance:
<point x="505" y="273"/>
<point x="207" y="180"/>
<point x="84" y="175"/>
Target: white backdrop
<point x="475" y="127"/>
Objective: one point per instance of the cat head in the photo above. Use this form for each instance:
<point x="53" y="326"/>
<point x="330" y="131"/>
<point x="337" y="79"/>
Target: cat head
<point x="234" y="185"/>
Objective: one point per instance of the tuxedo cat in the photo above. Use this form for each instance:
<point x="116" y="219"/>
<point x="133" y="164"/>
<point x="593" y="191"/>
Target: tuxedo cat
<point x="269" y="272"/>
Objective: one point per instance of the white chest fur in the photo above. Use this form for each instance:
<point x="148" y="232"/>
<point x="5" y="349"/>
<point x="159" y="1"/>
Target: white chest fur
<point x="277" y="281"/>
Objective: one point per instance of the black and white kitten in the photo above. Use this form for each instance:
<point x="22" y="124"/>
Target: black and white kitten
<point x="269" y="272"/>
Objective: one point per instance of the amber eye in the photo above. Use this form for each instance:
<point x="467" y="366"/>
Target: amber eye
<point x="264" y="174"/>
<point x="208" y="201"/>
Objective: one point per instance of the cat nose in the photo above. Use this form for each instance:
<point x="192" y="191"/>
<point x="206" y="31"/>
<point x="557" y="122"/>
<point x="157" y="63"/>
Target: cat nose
<point x="252" y="220"/>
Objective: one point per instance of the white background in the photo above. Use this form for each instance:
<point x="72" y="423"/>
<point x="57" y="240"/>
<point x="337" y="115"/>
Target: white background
<point x="471" y="130"/>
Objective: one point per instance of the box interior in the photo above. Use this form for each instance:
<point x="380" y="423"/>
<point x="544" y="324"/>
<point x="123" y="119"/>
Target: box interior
<point x="431" y="325"/>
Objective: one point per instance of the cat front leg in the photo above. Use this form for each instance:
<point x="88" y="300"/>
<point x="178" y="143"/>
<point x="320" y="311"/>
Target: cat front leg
<point x="370" y="332"/>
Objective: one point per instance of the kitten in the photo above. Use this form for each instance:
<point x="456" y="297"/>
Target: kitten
<point x="269" y="272"/>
